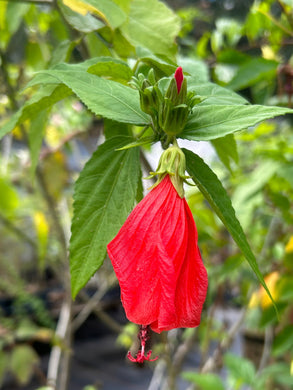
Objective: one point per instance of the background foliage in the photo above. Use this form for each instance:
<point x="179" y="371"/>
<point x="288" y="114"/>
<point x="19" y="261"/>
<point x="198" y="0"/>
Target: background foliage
<point x="85" y="53"/>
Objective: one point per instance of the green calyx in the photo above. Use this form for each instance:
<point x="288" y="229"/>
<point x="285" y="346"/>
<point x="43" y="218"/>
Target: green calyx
<point x="168" y="109"/>
<point x="172" y="163"/>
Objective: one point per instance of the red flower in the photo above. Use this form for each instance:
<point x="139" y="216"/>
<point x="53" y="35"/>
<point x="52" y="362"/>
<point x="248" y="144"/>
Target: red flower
<point x="158" y="264"/>
<point x="179" y="78"/>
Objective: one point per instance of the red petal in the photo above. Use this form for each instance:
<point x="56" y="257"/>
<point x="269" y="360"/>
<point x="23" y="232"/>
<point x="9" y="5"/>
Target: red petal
<point x="158" y="264"/>
<point x="179" y="78"/>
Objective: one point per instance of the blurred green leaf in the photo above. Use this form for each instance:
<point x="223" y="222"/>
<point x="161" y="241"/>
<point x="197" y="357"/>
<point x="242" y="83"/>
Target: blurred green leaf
<point x="215" y="121"/>
<point x="153" y="25"/>
<point x="253" y="71"/>
<point x="35" y="136"/>
<point x="22" y="362"/>
<point x="9" y="199"/>
<point x="104" y="195"/>
<point x="277" y="373"/>
<point x="226" y="149"/>
<point x="245" y="196"/>
<point x="107" y="10"/>
<point x="41" y="100"/>
<point x="283" y="341"/>
<point x="240" y="369"/>
<point x="3" y="364"/>
<point x="84" y="23"/>
<point x="204" y="381"/>
<point x="214" y="192"/>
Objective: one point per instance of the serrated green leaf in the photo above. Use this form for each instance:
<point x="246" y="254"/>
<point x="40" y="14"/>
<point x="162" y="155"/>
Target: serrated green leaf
<point x="204" y="381"/>
<point x="215" y="121"/>
<point x="111" y="67"/>
<point x="214" y="94"/>
<point x="103" y="97"/>
<point x="153" y="25"/>
<point x="104" y="195"/>
<point x="210" y="186"/>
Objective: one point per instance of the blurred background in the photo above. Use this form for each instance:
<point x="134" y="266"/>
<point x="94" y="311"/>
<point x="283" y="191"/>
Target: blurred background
<point x="47" y="341"/>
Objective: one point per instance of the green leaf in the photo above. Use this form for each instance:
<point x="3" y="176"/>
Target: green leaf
<point x="162" y="65"/>
<point x="9" y="199"/>
<point x="215" y="121"/>
<point x="41" y="100"/>
<point x="253" y="71"/>
<point x="248" y="195"/>
<point x="23" y="360"/>
<point x="110" y="12"/>
<point x="84" y="23"/>
<point x="214" y="93"/>
<point x="226" y="149"/>
<point x="210" y="186"/>
<point x="103" y="97"/>
<point x="113" y="129"/>
<point x="240" y="368"/>
<point x="104" y="195"/>
<point x="283" y="342"/>
<point x="3" y="365"/>
<point x="204" y="381"/>
<point x="153" y="25"/>
<point x="111" y="67"/>
<point x="197" y="68"/>
<point x="35" y="137"/>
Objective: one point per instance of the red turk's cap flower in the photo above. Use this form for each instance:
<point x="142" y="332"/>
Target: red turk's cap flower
<point x="158" y="264"/>
<point x="179" y="78"/>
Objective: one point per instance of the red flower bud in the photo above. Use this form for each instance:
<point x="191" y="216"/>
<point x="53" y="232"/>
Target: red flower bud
<point x="179" y="78"/>
<point x="158" y="264"/>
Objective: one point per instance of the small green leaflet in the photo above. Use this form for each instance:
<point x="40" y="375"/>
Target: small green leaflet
<point x="210" y="186"/>
<point x="103" y="197"/>
<point x="214" y="121"/>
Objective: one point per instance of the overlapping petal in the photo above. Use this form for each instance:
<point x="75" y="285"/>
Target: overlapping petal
<point x="158" y="264"/>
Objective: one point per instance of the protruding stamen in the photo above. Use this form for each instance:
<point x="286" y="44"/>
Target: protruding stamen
<point x="140" y="356"/>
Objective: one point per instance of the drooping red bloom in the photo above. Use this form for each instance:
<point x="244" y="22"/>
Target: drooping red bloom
<point x="179" y="78"/>
<point x="158" y="264"/>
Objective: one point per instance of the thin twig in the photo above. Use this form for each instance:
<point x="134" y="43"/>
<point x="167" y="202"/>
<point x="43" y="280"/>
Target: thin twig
<point x="269" y="338"/>
<point x="212" y="361"/>
<point x="89" y="307"/>
<point x="54" y="365"/>
<point x="93" y="307"/>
